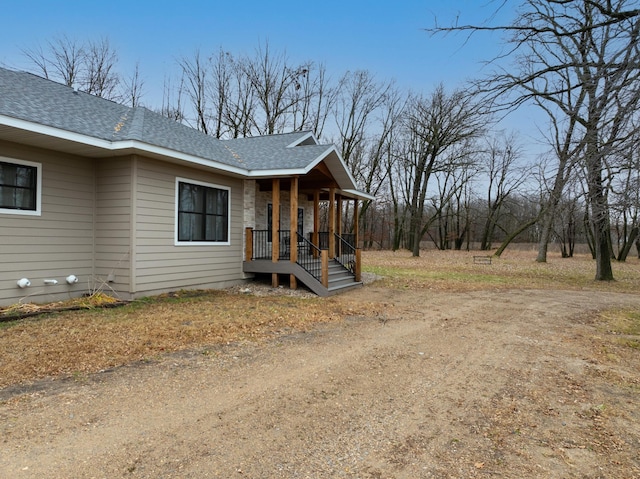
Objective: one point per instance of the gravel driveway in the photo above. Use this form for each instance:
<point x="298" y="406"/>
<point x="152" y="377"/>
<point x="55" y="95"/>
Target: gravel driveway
<point x="481" y="384"/>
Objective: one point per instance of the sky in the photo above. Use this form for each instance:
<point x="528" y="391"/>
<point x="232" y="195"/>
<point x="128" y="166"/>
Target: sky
<point x="387" y="38"/>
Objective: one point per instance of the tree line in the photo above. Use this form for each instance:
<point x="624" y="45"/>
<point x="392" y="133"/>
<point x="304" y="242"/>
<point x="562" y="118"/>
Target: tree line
<point x="441" y="170"/>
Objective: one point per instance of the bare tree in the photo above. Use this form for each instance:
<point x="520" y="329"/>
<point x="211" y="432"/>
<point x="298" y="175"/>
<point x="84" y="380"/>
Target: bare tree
<point x="462" y="204"/>
<point x="133" y="88"/>
<point x="232" y="97"/>
<point x="99" y="76"/>
<point x="195" y="75"/>
<point x="585" y="51"/>
<point x="272" y="80"/>
<point x="567" y="154"/>
<point x="263" y="94"/>
<point x="625" y="202"/>
<point x="239" y="103"/>
<point x="361" y="96"/>
<point x="374" y="171"/>
<point x="434" y="125"/>
<point x="450" y="203"/>
<point x="62" y="60"/>
<point x="504" y="177"/>
<point x="90" y="66"/>
<point x="366" y="114"/>
<point x="567" y="219"/>
<point x="313" y="102"/>
<point x="172" y="101"/>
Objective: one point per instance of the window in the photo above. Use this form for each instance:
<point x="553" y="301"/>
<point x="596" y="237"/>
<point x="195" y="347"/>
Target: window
<point x="20" y="183"/>
<point x="202" y="213"/>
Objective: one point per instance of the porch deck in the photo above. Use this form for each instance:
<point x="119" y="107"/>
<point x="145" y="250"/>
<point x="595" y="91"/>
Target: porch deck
<point x="323" y="273"/>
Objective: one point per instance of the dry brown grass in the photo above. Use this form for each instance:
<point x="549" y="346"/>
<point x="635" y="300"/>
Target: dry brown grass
<point x="78" y="342"/>
<point x="456" y="271"/>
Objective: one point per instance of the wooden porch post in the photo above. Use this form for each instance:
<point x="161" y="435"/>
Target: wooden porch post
<point x="339" y="216"/>
<point x="332" y="222"/>
<point x="316" y="221"/>
<point x="275" y="234"/>
<point x="293" y="229"/>
<point x="248" y="244"/>
<point x="324" y="255"/>
<point x="356" y="239"/>
<point x="356" y="222"/>
<point x="339" y="224"/>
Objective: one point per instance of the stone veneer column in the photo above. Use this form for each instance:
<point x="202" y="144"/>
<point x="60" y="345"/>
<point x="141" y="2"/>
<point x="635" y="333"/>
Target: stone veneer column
<point x="249" y="210"/>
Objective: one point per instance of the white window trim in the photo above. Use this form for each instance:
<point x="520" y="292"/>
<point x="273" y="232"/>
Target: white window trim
<point x="38" y="167"/>
<point x="177" y="200"/>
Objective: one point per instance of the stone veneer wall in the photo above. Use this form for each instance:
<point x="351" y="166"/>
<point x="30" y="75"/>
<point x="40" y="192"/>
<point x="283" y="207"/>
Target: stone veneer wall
<point x="249" y="218"/>
<point x="263" y="198"/>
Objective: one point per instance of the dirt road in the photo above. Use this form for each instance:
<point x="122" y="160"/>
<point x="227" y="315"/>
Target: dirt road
<point x="482" y="384"/>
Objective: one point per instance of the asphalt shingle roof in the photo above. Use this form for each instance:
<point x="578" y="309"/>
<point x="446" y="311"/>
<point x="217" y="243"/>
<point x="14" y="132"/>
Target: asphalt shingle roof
<point x="40" y="101"/>
<point x="272" y="152"/>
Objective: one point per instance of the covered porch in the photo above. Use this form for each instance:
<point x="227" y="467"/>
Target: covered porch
<point x="288" y="242"/>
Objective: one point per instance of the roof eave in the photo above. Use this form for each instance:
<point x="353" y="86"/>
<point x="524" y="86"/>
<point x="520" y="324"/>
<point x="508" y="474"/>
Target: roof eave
<point x="302" y="139"/>
<point x="358" y="195"/>
<point x="118" y="146"/>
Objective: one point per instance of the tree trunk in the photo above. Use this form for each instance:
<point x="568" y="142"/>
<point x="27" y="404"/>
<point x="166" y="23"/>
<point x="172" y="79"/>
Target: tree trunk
<point x="633" y="235"/>
<point x="599" y="211"/>
<point x="571" y="235"/>
<point x="589" y="233"/>
<point x="545" y="236"/>
<point x="513" y="235"/>
<point x="564" y="167"/>
<point x="487" y="233"/>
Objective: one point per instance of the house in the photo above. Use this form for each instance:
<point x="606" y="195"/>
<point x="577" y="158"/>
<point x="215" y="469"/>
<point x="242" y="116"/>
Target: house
<point x="98" y="196"/>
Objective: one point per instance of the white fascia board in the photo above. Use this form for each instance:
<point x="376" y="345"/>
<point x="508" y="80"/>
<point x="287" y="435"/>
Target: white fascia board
<point x="344" y="165"/>
<point x="281" y="173"/>
<point x="116" y="146"/>
<point x="158" y="150"/>
<point x="302" y="139"/>
<point x="361" y="195"/>
<point x="303" y="171"/>
<point x="289" y="171"/>
<point x="333" y="149"/>
<point x="55" y="132"/>
<point x="196" y="160"/>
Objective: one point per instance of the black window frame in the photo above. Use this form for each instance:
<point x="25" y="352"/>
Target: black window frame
<point x="10" y="186"/>
<point x="209" y="212"/>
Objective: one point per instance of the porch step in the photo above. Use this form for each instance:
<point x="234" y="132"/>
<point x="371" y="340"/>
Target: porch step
<point x="339" y="277"/>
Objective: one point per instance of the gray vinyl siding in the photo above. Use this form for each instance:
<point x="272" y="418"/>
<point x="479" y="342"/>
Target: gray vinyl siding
<point x="113" y="225"/>
<point x="160" y="265"/>
<point x="55" y="244"/>
<point x="111" y="218"/>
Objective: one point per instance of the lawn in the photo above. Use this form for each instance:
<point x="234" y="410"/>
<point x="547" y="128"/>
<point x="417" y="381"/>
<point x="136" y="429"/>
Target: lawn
<point x="74" y="343"/>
